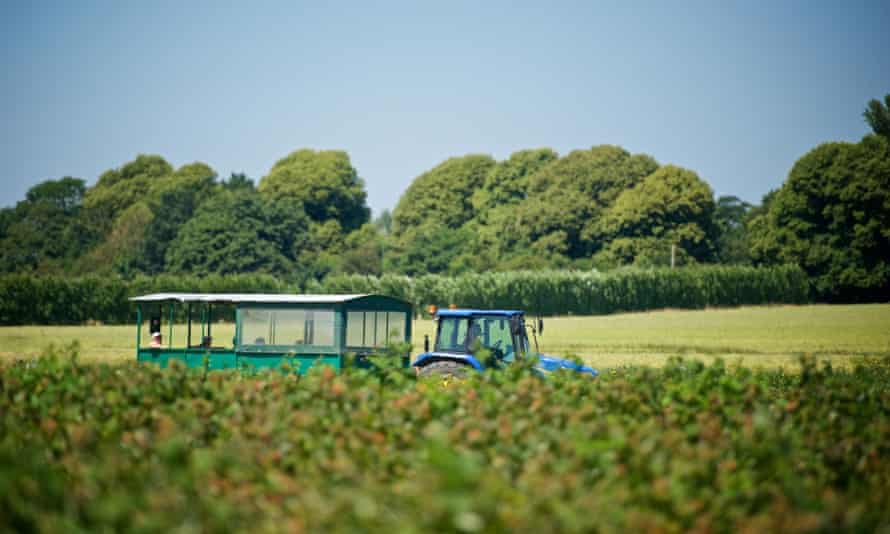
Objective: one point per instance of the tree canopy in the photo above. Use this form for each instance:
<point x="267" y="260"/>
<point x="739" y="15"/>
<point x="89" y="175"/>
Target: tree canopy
<point x="731" y="217"/>
<point x="832" y="217"/>
<point x="118" y="189"/>
<point x="325" y="184"/>
<point x="601" y="207"/>
<point x="537" y="209"/>
<point x="443" y="195"/>
<point x="240" y="232"/>
<point x="45" y="228"/>
<point x="567" y="198"/>
<point x="671" y="206"/>
<point x="877" y="116"/>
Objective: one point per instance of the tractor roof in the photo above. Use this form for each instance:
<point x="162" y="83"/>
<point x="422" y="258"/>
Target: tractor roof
<point x="473" y="313"/>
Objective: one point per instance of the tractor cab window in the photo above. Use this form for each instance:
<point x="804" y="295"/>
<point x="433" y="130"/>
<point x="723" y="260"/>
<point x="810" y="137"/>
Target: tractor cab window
<point x="452" y="334"/>
<point x="494" y="333"/>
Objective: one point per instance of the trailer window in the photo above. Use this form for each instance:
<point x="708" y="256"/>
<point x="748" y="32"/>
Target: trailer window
<point x="287" y="327"/>
<point x="395" y="325"/>
<point x="355" y="329"/>
<point x="255" y="326"/>
<point x="374" y="328"/>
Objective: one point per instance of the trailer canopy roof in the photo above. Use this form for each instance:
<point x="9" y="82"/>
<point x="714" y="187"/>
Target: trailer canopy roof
<point x="237" y="298"/>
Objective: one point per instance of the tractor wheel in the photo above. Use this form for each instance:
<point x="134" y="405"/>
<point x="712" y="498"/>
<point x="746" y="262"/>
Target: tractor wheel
<point x="448" y="371"/>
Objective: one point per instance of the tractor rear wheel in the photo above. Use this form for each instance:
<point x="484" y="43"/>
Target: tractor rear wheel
<point x="447" y="370"/>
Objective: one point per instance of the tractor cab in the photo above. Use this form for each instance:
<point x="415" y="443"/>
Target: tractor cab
<point x="482" y="339"/>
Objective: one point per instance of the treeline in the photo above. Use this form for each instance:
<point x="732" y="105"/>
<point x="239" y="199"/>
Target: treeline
<point x="26" y="299"/>
<point x="595" y="209"/>
<point x="589" y="293"/>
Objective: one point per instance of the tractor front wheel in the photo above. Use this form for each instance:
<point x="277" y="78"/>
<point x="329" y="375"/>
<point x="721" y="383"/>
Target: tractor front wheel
<point x="446" y="370"/>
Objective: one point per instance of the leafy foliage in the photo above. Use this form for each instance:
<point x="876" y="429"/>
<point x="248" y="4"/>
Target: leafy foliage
<point x="428" y="249"/>
<point x="731" y="215"/>
<point x="832" y="217"/>
<point x="877" y="116"/>
<point x="670" y="206"/>
<point x="118" y="189"/>
<point x="240" y="232"/>
<point x="443" y="195"/>
<point x="550" y="292"/>
<point x="28" y="299"/>
<point x="568" y="197"/>
<point x="428" y="224"/>
<point x="688" y="447"/>
<point x="173" y="202"/>
<point x="45" y="229"/>
<point x="507" y="183"/>
<point x="324" y="182"/>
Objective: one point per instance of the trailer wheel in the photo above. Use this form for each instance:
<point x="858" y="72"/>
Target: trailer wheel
<point x="447" y="370"/>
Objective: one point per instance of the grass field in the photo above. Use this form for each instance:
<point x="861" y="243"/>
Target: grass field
<point x="756" y="336"/>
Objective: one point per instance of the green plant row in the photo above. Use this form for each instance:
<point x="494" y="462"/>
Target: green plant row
<point x="590" y="292"/>
<point x="686" y="448"/>
<point x="28" y="299"/>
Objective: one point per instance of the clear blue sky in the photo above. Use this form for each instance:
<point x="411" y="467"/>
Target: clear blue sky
<point x="736" y="91"/>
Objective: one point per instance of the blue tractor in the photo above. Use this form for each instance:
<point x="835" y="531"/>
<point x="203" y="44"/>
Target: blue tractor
<point x="462" y="334"/>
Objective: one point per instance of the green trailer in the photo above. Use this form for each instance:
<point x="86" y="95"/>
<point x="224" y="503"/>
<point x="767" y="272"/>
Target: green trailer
<point x="257" y="331"/>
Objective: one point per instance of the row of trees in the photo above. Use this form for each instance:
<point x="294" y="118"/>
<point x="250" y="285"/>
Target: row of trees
<point x="602" y="207"/>
<point x="598" y="208"/>
<point x="147" y="217"/>
<point x="34" y="299"/>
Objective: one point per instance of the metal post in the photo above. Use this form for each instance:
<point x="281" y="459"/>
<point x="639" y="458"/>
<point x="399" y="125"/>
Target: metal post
<point x="170" y="336"/>
<point x="188" y="336"/>
<point x="673" y="254"/>
<point x="236" y="340"/>
<point x="138" y="328"/>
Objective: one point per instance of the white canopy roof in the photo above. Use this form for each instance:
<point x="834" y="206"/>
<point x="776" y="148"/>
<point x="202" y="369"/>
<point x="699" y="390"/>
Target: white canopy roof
<point x="234" y="298"/>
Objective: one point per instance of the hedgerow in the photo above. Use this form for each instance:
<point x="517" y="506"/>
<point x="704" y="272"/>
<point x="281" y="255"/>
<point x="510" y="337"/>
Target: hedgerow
<point x="688" y="447"/>
<point x="27" y="299"/>
<point x="589" y="292"/>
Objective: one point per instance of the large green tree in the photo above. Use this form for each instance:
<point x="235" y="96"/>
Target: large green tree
<point x="122" y="249"/>
<point x="325" y="184"/>
<point x="567" y="198"/>
<point x="173" y="200"/>
<point x="432" y="214"/>
<point x="442" y="196"/>
<point x="241" y="232"/>
<point x="507" y="182"/>
<point x="363" y="251"/>
<point x="428" y="249"/>
<point x="495" y="224"/>
<point x="671" y="206"/>
<point x="118" y="189"/>
<point x="730" y="216"/>
<point x="44" y="231"/>
<point x="832" y="217"/>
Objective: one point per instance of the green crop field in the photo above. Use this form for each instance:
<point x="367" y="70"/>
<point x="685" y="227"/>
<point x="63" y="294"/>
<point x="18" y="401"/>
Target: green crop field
<point x="675" y="446"/>
<point x="756" y="336"/>
<point x="681" y="448"/>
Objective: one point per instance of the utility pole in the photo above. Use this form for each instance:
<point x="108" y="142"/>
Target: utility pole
<point x="673" y="254"/>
